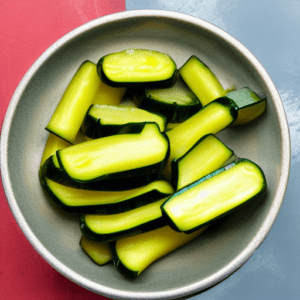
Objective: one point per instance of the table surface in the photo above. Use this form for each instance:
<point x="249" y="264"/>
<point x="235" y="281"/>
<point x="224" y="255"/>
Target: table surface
<point x="270" y="29"/>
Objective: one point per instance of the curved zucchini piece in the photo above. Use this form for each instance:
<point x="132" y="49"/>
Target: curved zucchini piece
<point x="107" y="228"/>
<point x="206" y="156"/>
<point x="52" y="171"/>
<point x="137" y="68"/>
<point x="214" y="195"/>
<point x="105" y="120"/>
<point x="250" y="105"/>
<point x="76" y="100"/>
<point x="118" y="156"/>
<point x="201" y="80"/>
<point x="212" y="118"/>
<point x="134" y="254"/>
<point x="104" y="202"/>
<point x="98" y="252"/>
<point x="177" y="103"/>
<point x="107" y="95"/>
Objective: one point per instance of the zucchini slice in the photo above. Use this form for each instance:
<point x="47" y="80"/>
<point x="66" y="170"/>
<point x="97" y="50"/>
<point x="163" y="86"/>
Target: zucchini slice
<point x="201" y="80"/>
<point x="106" y="120"/>
<point x="107" y="228"/>
<point x="250" y="105"/>
<point x="118" y="156"/>
<point x="206" y="156"/>
<point x="137" y="68"/>
<point x="177" y="103"/>
<point x="76" y="100"/>
<point x="214" y="195"/>
<point x="104" y="202"/>
<point x="132" y="255"/>
<point x="98" y="252"/>
<point x="212" y="118"/>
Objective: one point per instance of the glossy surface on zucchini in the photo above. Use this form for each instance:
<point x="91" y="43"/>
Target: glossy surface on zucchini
<point x="250" y="105"/>
<point x="177" y="103"/>
<point x="106" y="120"/>
<point x="76" y="100"/>
<point x="106" y="228"/>
<point x="134" y="254"/>
<point x="206" y="156"/>
<point x="137" y="68"/>
<point x="201" y="80"/>
<point x="98" y="252"/>
<point x="212" y="118"/>
<point x="214" y="195"/>
<point x="117" y="156"/>
<point x="104" y="202"/>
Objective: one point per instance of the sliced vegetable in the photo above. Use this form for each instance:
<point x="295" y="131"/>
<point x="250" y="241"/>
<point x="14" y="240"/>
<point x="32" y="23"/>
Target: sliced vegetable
<point x="212" y="118"/>
<point x="206" y="156"/>
<point x="214" y="195"/>
<point x="201" y="80"/>
<point x="76" y="100"/>
<point x="177" y="103"/>
<point x="132" y="255"/>
<point x="105" y="228"/>
<point x="118" y="156"/>
<point x="104" y="202"/>
<point x="250" y="105"/>
<point x="105" y="120"/>
<point x="97" y="251"/>
<point x="137" y="68"/>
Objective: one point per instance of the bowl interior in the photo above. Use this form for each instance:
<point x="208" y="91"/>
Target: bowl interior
<point x="212" y="256"/>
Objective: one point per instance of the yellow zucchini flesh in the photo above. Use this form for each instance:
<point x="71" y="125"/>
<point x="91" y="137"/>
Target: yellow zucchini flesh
<point x="117" y="156"/>
<point x="76" y="100"/>
<point x="132" y="255"/>
<point x="106" y="228"/>
<point x="212" y="118"/>
<point x="250" y="105"/>
<point x="201" y="80"/>
<point x="214" y="195"/>
<point x="206" y="156"/>
<point x="98" y="252"/>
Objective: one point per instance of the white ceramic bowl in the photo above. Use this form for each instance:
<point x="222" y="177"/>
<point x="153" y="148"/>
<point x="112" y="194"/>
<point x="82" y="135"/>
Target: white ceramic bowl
<point x="224" y="247"/>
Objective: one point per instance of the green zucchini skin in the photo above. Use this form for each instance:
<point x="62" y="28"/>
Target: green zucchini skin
<point x="51" y="171"/>
<point x="137" y="84"/>
<point x="145" y="227"/>
<point x="259" y="195"/>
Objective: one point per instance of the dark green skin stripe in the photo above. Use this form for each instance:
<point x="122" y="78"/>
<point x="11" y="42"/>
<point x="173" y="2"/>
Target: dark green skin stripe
<point x="175" y="162"/>
<point x="259" y="195"/>
<point x="145" y="227"/>
<point x="121" y="268"/>
<point x="151" y="84"/>
<point x="50" y="171"/>
<point x="146" y="170"/>
<point x="229" y="103"/>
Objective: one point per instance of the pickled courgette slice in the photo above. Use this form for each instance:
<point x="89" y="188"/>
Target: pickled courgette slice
<point x="214" y="195"/>
<point x="118" y="156"/>
<point x="106" y="228"/>
<point x="212" y="118"/>
<point x="250" y="105"/>
<point x="137" y="68"/>
<point x="98" y="252"/>
<point x="206" y="156"/>
<point x="104" y="202"/>
<point x="106" y="120"/>
<point x="76" y="100"/>
<point x="132" y="255"/>
<point x="177" y="103"/>
<point x="201" y="80"/>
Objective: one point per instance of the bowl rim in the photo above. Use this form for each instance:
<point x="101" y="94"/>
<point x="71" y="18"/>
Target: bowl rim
<point x="257" y="239"/>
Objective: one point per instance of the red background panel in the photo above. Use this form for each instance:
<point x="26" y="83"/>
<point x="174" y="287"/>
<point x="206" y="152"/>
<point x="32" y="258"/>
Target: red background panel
<point x="27" y="29"/>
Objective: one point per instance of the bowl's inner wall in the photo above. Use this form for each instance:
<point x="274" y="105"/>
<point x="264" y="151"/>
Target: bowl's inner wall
<point x="60" y="234"/>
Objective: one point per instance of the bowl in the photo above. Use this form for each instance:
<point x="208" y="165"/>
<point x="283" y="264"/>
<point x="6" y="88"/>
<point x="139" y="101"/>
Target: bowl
<point x="220" y="250"/>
